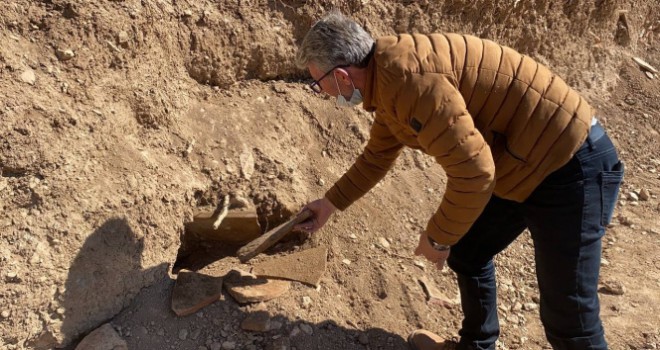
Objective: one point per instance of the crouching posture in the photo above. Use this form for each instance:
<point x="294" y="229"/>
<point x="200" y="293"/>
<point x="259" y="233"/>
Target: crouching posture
<point x="520" y="148"/>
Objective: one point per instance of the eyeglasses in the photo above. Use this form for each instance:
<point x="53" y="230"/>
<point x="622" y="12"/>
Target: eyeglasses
<point x="316" y="84"/>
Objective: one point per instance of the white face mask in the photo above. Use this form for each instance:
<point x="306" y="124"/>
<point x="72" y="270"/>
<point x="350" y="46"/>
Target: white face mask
<point x="356" y="97"/>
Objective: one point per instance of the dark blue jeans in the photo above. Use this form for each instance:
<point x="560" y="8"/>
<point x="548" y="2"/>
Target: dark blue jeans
<point x="566" y="215"/>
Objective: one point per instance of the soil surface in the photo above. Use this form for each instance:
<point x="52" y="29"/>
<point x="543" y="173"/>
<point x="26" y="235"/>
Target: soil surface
<point x="121" y="119"/>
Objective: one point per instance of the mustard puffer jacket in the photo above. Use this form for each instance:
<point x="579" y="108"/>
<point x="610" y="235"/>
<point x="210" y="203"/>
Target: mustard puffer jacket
<point x="495" y="120"/>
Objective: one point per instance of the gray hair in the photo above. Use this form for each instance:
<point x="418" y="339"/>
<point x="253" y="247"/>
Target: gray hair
<point x="334" y="40"/>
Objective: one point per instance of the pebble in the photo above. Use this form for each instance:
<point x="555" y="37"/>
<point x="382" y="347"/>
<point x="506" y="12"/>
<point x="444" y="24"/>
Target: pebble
<point x="321" y="182"/>
<point x="614" y="287"/>
<point x="294" y="332"/>
<point x="420" y="264"/>
<point x="530" y="306"/>
<point x="307" y="328"/>
<point x="517" y="307"/>
<point x="353" y="236"/>
<point x="122" y="37"/>
<point x="183" y="334"/>
<point x="29" y="77"/>
<point x="346" y="261"/>
<point x="513" y="319"/>
<point x="64" y="55"/>
<point x="5" y="314"/>
<point x="383" y="242"/>
<point x="604" y="262"/>
<point x="229" y="345"/>
<point x="275" y="325"/>
<point x="633" y="196"/>
<point x="644" y="194"/>
<point x="307" y="301"/>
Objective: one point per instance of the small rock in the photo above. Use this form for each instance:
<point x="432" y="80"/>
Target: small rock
<point x="383" y="242"/>
<point x="604" y="262"/>
<point x="28" y="77"/>
<point x="257" y="322"/>
<point x="530" y="306"/>
<point x="517" y="307"/>
<point x="363" y="339"/>
<point x="229" y="345"/>
<point x="307" y="328"/>
<point x="275" y="325"/>
<point x="5" y="314"/>
<point x="633" y="196"/>
<point x="183" y="334"/>
<point x="247" y="164"/>
<point x="239" y="202"/>
<point x="64" y="55"/>
<point x="649" y="75"/>
<point x="123" y="38"/>
<point x="420" y="264"/>
<point x="321" y="182"/>
<point x="644" y="194"/>
<point x="513" y="319"/>
<point x="294" y="332"/>
<point x="104" y="337"/>
<point x="613" y="287"/>
<point x="307" y="301"/>
<point x="346" y="261"/>
<point x="353" y="236"/>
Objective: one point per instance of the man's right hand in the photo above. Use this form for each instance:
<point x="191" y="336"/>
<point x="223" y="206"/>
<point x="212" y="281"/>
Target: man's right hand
<point x="322" y="209"/>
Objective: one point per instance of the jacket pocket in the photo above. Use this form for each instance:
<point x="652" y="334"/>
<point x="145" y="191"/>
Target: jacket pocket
<point x="609" y="191"/>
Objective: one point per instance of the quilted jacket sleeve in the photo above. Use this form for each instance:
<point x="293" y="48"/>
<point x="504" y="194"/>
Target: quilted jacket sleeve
<point x="376" y="160"/>
<point x="445" y="130"/>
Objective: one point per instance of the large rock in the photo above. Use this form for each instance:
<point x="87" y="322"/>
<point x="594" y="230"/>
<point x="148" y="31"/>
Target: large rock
<point x="248" y="288"/>
<point x="193" y="291"/>
<point x="306" y="266"/>
<point x="103" y="338"/>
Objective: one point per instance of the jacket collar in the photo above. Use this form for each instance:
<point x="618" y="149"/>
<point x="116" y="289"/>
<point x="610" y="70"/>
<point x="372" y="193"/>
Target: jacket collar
<point x="368" y="95"/>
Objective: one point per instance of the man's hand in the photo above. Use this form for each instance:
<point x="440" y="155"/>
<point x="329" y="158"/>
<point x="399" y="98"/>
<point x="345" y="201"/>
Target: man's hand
<point x="435" y="256"/>
<point x="322" y="209"/>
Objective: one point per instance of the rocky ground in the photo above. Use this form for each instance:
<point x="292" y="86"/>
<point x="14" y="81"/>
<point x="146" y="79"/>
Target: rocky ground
<point x="120" y="119"/>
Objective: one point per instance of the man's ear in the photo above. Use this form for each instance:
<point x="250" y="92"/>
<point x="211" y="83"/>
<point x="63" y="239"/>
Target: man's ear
<point x="342" y="76"/>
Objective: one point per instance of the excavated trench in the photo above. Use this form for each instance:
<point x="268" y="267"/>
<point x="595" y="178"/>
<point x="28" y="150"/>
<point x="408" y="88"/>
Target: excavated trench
<point x="205" y="239"/>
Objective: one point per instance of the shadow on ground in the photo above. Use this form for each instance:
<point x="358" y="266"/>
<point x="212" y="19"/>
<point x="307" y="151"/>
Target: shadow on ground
<point x="109" y="264"/>
<point x="149" y="323"/>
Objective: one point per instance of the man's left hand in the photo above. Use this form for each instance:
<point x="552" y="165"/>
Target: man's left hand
<point x="426" y="249"/>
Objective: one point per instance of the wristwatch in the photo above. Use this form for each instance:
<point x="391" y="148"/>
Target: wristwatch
<point x="437" y="246"/>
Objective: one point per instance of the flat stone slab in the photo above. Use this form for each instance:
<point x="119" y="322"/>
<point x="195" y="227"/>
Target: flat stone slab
<point x="238" y="227"/>
<point x="248" y="288"/>
<point x="193" y="291"/>
<point x="103" y="338"/>
<point x="307" y="266"/>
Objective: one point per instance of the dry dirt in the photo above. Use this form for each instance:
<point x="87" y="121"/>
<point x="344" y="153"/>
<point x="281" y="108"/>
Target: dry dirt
<point x="121" y="118"/>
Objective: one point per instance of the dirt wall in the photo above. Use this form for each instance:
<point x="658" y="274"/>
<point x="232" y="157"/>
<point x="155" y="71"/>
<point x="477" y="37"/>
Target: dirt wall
<point x="97" y="179"/>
